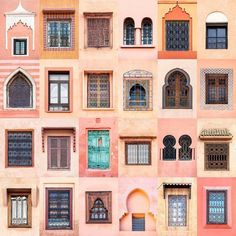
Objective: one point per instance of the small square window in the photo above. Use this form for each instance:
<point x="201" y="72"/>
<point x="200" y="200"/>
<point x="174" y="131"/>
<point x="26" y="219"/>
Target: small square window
<point x="19" y="148"/>
<point x="20" y="47"/>
<point x="216" y="36"/>
<point x="138" y="222"/>
<point x="138" y="153"/>
<point x="58" y="152"/>
<point x="58" y="87"/>
<point x="217" y="207"/>
<point x="19" y="208"/>
<point x="98" y="149"/>
<point x="99" y="207"/>
<point x="59" y="209"/>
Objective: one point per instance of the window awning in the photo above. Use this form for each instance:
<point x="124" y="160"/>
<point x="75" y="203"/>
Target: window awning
<point x="72" y="129"/>
<point x="215" y="133"/>
<point x="177" y="185"/>
<point x="58" y="10"/>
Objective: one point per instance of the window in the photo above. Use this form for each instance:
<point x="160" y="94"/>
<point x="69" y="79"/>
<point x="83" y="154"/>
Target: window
<point x="98" y="207"/>
<point x="216" y="36"/>
<point x="129" y="32"/>
<point x="59" y="208"/>
<point x="19" y="47"/>
<point x="19" y="92"/>
<point x="19" y="208"/>
<point x="19" y="148"/>
<point x="98" y="149"/>
<point x="216" y="156"/>
<point x="216" y="207"/>
<point x="138" y="153"/>
<point x="58" y="91"/>
<point x="98" y="90"/>
<point x="58" y="152"/>
<point x="185" y="152"/>
<point x="146" y="31"/>
<point x="99" y="33"/>
<point x="177" y="91"/>
<point x="138" y="222"/>
<point x="59" y="33"/>
<point x="216" y="88"/>
<point x="177" y="35"/>
<point x="169" y="151"/>
<point x="177" y="210"/>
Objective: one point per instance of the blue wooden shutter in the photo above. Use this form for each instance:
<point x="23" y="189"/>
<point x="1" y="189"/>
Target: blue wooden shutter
<point x="98" y="149"/>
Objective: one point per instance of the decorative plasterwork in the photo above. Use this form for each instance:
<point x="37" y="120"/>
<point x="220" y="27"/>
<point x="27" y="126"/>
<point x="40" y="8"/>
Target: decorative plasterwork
<point x="176" y="185"/>
<point x="215" y="133"/>
<point x="137" y="74"/>
<point x="177" y="13"/>
<point x="20" y="15"/>
<point x="216" y="17"/>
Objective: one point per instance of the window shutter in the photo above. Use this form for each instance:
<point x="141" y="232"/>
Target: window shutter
<point x="138" y="223"/>
<point x="64" y="157"/>
<point x="53" y="146"/>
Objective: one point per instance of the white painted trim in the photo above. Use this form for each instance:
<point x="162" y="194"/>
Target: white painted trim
<point x="19" y="69"/>
<point x="12" y="46"/>
<point x="216" y="17"/>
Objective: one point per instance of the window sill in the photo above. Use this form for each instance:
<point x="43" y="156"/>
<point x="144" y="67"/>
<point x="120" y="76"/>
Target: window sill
<point x="137" y="46"/>
<point x="20" y="109"/>
<point x="217" y="226"/>
<point x="100" y="170"/>
<point x="98" y="109"/>
<point x="59" y="111"/>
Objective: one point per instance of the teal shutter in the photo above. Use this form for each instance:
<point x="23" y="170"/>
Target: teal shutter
<point x="98" y="149"/>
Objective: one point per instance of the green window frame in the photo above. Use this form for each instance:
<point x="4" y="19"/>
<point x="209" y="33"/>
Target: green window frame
<point x="98" y="149"/>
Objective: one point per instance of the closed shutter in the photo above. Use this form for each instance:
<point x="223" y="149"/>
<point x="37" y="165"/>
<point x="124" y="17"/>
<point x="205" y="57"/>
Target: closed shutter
<point x="64" y="153"/>
<point x="138" y="222"/>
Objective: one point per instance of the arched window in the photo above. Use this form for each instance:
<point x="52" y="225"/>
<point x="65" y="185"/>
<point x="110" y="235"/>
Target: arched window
<point x="19" y="92"/>
<point x="129" y="31"/>
<point x="137" y="96"/>
<point x="146" y="31"/>
<point x="169" y="151"/>
<point x="177" y="90"/>
<point x="98" y="211"/>
<point x="185" y="152"/>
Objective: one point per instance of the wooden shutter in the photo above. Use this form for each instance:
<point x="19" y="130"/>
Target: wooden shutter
<point x="138" y="222"/>
<point x="64" y="152"/>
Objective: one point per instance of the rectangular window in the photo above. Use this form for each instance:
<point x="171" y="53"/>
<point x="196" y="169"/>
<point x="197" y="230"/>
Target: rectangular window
<point x="98" y="149"/>
<point x="98" y="90"/>
<point x="20" y="46"/>
<point x="58" y="91"/>
<point x="138" y="222"/>
<point x="216" y="156"/>
<point x="59" y="209"/>
<point x="217" y="207"/>
<point x="138" y="153"/>
<point x="19" y="148"/>
<point x="59" y="33"/>
<point x="216" y="36"/>
<point x="177" y="35"/>
<point x="98" y="30"/>
<point x="177" y="210"/>
<point x="19" y="209"/>
<point x="216" y="88"/>
<point x="58" y="152"/>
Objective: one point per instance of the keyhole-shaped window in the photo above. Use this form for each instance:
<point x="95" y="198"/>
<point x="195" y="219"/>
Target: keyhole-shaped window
<point x="185" y="152"/>
<point x="169" y="151"/>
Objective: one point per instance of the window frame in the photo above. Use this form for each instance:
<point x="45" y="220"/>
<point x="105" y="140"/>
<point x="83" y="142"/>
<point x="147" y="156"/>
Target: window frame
<point x="144" y="20"/>
<point x="6" y="147"/>
<point x="26" y="39"/>
<point x="59" y="152"/>
<point x="125" y="38"/>
<point x="19" y="192"/>
<point x="96" y="15"/>
<point x="217" y="26"/>
<point x="47" y="207"/>
<point x="149" y="143"/>
<point x="208" y="191"/>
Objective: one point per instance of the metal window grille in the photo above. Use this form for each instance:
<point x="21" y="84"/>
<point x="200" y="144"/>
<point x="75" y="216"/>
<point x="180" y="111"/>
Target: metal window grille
<point x="147" y="32"/>
<point x="98" y="211"/>
<point x="138" y="222"/>
<point x="19" y="210"/>
<point x="185" y="152"/>
<point x="216" y="36"/>
<point x="169" y="151"/>
<point x="129" y="32"/>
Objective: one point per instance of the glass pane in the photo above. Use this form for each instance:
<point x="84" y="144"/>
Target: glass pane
<point x="19" y="205"/>
<point x="64" y="93"/>
<point x="59" y="77"/>
<point x="221" y="32"/>
<point x="65" y="34"/>
<point x="138" y="223"/>
<point x="53" y="34"/>
<point x="211" y="32"/>
<point x="53" y="93"/>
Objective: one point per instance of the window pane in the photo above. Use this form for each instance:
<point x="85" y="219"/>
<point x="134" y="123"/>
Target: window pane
<point x="216" y="37"/>
<point x="211" y="32"/>
<point x="221" y="32"/>
<point x="19" y="148"/>
<point x="65" y="34"/>
<point x="177" y="210"/>
<point x="129" y="32"/>
<point x="64" y="93"/>
<point x="53" y="34"/>
<point x="138" y="153"/>
<point x="54" y="93"/>
<point x="146" y="31"/>
<point x="19" y="206"/>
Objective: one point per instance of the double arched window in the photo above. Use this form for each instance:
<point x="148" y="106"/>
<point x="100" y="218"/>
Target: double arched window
<point x="129" y="31"/>
<point x="177" y="90"/>
<point x="146" y="31"/>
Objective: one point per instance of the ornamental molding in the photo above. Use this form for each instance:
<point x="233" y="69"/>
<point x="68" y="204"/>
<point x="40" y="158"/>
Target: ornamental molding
<point x="137" y="74"/>
<point x="20" y="15"/>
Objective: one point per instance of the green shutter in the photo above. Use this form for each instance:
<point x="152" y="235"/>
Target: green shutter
<point x="98" y="149"/>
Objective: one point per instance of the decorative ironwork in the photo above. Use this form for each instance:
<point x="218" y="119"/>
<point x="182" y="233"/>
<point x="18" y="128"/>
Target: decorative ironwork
<point x="177" y="35"/>
<point x="19" y="148"/>
<point x="138" y="222"/>
<point x="177" y="210"/>
<point x="216" y="37"/>
<point x="216" y="156"/>
<point x="98" y="211"/>
<point x="20" y="94"/>
<point x="185" y="152"/>
<point x="98" y="95"/>
<point x="59" y="209"/>
<point x="216" y="88"/>
<point x="19" y="210"/>
<point x="169" y="151"/>
<point x="129" y="31"/>
<point x="216" y="207"/>
<point x="177" y="91"/>
<point x="147" y="31"/>
<point x="98" y="32"/>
